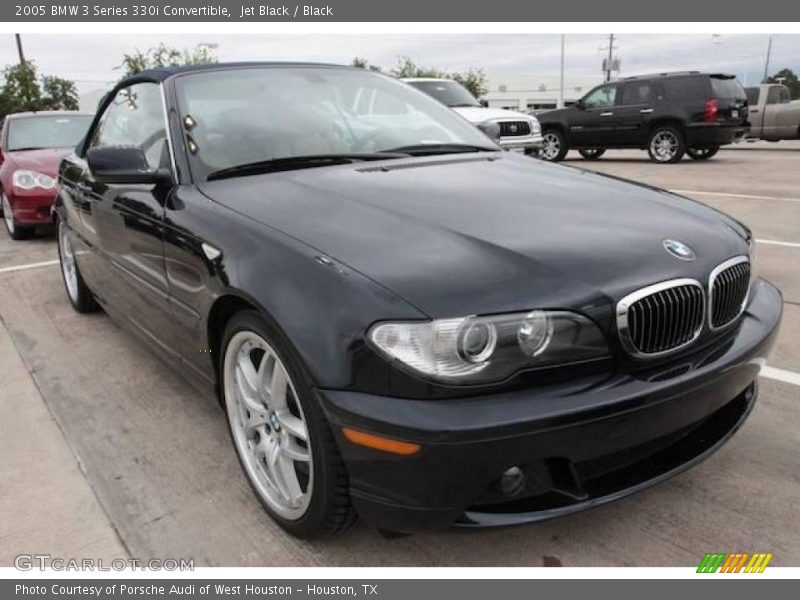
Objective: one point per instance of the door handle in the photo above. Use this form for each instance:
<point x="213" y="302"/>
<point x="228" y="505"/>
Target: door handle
<point x="753" y="110"/>
<point x="83" y="188"/>
<point x="646" y="111"/>
<point x="606" y="114"/>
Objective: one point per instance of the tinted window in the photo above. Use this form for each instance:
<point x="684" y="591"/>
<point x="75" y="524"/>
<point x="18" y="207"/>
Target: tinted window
<point x="778" y="95"/>
<point x="637" y="92"/>
<point x="449" y="93"/>
<point x="61" y="131"/>
<point x="136" y="118"/>
<point x="685" y="88"/>
<point x="752" y="95"/>
<point x="727" y="88"/>
<point x="602" y="97"/>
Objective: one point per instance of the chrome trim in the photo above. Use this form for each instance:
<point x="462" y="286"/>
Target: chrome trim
<point x="624" y="305"/>
<point x="731" y="262"/>
<point x="170" y="145"/>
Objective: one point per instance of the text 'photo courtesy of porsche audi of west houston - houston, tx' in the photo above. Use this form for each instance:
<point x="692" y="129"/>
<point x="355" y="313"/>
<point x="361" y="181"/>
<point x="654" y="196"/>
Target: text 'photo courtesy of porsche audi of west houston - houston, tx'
<point x="402" y="321"/>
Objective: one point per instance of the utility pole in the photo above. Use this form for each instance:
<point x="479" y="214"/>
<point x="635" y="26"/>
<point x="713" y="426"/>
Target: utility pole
<point x="610" y="60"/>
<point x="19" y="49"/>
<point x="560" y="103"/>
<point x="766" y="61"/>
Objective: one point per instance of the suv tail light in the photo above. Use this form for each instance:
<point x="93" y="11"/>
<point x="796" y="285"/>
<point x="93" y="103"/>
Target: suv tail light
<point x="711" y="110"/>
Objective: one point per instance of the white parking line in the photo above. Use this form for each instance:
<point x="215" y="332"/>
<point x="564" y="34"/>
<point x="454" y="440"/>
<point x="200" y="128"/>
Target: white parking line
<point x="730" y="195"/>
<point x="781" y="375"/>
<point x="777" y="243"/>
<point x="46" y="263"/>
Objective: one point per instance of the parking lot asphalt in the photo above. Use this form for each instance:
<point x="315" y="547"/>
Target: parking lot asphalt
<point x="156" y="467"/>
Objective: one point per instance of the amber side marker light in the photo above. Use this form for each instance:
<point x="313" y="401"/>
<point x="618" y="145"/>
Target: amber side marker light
<point x="380" y="443"/>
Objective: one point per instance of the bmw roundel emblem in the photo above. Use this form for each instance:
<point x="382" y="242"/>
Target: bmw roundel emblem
<point x="679" y="249"/>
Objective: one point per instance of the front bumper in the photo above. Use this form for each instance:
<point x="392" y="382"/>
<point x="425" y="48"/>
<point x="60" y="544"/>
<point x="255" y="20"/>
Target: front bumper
<point x="579" y="444"/>
<point x="31" y="207"/>
<point x="523" y="143"/>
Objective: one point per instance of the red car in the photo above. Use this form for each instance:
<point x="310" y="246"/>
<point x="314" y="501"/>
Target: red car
<point x="31" y="146"/>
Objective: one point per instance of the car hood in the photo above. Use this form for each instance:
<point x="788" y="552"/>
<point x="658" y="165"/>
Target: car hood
<point x="484" y="233"/>
<point x="44" y="161"/>
<point x="480" y="114"/>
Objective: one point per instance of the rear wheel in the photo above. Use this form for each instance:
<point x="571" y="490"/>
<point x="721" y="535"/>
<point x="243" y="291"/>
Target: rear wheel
<point x="283" y="441"/>
<point x="702" y="153"/>
<point x="555" y="146"/>
<point x="666" y="145"/>
<point x="591" y="153"/>
<point x="78" y="292"/>
<point x="16" y="231"/>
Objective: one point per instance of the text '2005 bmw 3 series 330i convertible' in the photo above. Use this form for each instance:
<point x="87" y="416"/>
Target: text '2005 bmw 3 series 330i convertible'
<point x="402" y="321"/>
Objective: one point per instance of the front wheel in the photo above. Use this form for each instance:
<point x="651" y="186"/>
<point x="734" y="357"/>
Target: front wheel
<point x="591" y="153"/>
<point x="78" y="292"/>
<point x="666" y="145"/>
<point x="15" y="231"/>
<point x="555" y="146"/>
<point x="702" y="153"/>
<point x="281" y="437"/>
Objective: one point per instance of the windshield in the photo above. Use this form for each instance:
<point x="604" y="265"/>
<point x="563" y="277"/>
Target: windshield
<point x="449" y="93"/>
<point x="244" y="116"/>
<point x="55" y="131"/>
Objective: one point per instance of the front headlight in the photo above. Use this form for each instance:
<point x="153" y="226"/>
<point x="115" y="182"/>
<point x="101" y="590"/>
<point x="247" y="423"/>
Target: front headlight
<point x="27" y="180"/>
<point x="536" y="128"/>
<point x="470" y="350"/>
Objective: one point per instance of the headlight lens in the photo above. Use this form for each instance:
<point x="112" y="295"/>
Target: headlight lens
<point x="471" y="350"/>
<point x="27" y="180"/>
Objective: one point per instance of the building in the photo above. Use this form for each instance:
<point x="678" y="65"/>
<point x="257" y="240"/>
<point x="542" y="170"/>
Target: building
<point x="533" y="94"/>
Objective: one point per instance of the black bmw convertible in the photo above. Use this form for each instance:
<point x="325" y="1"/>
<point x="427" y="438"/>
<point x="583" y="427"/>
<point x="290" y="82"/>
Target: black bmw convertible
<point x="402" y="321"/>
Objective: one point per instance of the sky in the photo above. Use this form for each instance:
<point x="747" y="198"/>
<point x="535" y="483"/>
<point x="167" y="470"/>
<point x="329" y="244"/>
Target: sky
<point x="92" y="60"/>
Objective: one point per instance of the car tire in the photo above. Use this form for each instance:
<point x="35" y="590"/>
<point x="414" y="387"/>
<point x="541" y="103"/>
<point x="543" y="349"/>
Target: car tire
<point x="270" y="403"/>
<point x="555" y="146"/>
<point x="702" y="153"/>
<point x="79" y="294"/>
<point x="14" y="229"/>
<point x="666" y="145"/>
<point x="591" y="153"/>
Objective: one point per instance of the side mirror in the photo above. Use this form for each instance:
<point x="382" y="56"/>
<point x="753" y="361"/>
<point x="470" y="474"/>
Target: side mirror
<point x="484" y="103"/>
<point x="124" y="165"/>
<point x="491" y="129"/>
<point x="579" y="104"/>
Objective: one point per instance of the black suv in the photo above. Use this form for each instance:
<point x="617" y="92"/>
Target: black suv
<point x="669" y="114"/>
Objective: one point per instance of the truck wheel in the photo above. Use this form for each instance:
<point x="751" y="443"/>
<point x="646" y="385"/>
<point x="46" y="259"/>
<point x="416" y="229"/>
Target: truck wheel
<point x="702" y="153"/>
<point x="591" y="153"/>
<point x="666" y="145"/>
<point x="555" y="146"/>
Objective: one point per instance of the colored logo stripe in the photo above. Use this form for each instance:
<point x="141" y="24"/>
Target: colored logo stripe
<point x="734" y="562"/>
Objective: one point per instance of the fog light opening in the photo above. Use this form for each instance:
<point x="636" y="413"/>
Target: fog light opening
<point x="512" y="481"/>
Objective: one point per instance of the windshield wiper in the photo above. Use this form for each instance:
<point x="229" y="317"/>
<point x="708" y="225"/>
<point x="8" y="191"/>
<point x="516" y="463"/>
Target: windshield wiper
<point x="291" y="163"/>
<point x="464" y="105"/>
<point x="431" y="149"/>
<point x="26" y="148"/>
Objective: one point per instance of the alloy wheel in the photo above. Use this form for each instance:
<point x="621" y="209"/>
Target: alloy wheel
<point x="268" y="425"/>
<point x="552" y="146"/>
<point x="8" y="216"/>
<point x="664" y="146"/>
<point x="68" y="266"/>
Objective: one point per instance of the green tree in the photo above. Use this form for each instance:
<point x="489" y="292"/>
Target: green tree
<point x="59" y="94"/>
<point x="473" y="79"/>
<point x="21" y="90"/>
<point x="363" y="63"/>
<point x="788" y="78"/>
<point x="163" y="56"/>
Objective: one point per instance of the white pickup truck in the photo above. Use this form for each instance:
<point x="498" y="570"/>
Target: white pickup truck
<point x="515" y="130"/>
<point x="773" y="116"/>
